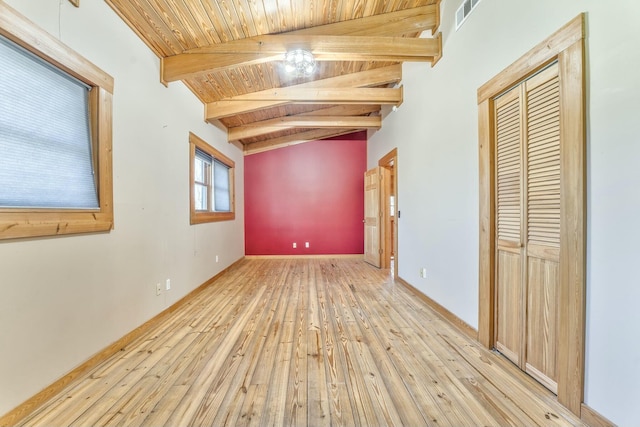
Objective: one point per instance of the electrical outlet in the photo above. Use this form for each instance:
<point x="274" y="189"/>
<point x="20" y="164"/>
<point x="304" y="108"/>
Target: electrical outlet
<point x="423" y="273"/>
<point x="158" y="289"/>
<point x="168" y="284"/>
<point x="306" y="244"/>
<point x="216" y="258"/>
<point x="294" y="245"/>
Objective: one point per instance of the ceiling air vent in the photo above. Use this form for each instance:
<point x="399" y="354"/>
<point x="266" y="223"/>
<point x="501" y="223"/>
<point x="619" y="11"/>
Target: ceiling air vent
<point x="465" y="10"/>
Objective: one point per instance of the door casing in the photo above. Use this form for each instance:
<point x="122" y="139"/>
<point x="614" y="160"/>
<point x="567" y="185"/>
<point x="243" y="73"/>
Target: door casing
<point x="390" y="187"/>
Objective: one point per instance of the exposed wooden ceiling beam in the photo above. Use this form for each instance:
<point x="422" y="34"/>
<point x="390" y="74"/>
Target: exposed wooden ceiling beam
<point x="188" y="65"/>
<point x="331" y="47"/>
<point x="262" y="49"/>
<point x="298" y="138"/>
<point x="324" y="40"/>
<point x="233" y="106"/>
<point x="296" y="95"/>
<point x="303" y="121"/>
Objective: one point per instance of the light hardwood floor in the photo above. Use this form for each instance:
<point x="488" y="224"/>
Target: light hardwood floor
<point x="306" y="342"/>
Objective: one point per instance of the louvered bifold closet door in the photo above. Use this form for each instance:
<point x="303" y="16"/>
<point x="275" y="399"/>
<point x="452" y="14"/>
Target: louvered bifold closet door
<point x="542" y="224"/>
<point x="509" y="288"/>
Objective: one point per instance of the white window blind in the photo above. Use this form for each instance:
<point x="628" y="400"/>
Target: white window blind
<point x="221" y="189"/>
<point x="45" y="143"/>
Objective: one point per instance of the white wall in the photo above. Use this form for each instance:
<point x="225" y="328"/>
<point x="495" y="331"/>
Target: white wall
<point x="63" y="299"/>
<point x="435" y="131"/>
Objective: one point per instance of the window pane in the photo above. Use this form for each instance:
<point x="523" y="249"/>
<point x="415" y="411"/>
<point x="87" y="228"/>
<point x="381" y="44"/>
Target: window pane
<point x="221" y="189"/>
<point x="202" y="163"/>
<point x="201" y="193"/>
<point x="45" y="143"/>
<point x="198" y="170"/>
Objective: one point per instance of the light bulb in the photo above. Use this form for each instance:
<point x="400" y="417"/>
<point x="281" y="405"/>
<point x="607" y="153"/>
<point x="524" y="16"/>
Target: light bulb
<point x="300" y="62"/>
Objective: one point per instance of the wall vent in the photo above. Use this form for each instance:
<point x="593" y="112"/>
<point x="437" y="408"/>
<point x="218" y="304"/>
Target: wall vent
<point x="464" y="11"/>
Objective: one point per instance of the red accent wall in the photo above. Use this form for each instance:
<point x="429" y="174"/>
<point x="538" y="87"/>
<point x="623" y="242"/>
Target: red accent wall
<point x="311" y="192"/>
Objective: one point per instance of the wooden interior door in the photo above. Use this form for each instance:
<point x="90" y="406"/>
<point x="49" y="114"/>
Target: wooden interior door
<point x="543" y="224"/>
<point x="528" y="225"/>
<point x="372" y="216"/>
<point x="510" y="244"/>
<point x="566" y="47"/>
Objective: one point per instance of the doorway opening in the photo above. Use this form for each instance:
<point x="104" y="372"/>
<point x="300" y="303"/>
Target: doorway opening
<point x="389" y="196"/>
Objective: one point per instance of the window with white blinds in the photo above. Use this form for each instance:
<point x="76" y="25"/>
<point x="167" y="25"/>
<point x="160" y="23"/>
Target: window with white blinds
<point x="46" y="158"/>
<point x="212" y="190"/>
<point x="56" y="127"/>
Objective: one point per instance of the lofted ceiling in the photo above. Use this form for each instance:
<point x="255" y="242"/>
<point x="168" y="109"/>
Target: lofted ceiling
<point x="230" y="54"/>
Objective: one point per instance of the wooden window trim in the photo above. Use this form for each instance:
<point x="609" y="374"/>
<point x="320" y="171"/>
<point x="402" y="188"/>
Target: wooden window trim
<point x="567" y="47"/>
<point x="26" y="223"/>
<point x="199" y="217"/>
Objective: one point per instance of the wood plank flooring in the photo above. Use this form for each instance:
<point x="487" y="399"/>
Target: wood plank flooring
<point x="304" y="342"/>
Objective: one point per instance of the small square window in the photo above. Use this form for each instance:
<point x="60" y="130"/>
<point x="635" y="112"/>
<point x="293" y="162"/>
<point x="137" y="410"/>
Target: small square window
<point x="212" y="183"/>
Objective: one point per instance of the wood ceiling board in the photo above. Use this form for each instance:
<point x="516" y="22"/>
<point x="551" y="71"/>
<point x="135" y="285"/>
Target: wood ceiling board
<point x="228" y="19"/>
<point x="272" y="75"/>
<point x="261" y="115"/>
<point x="161" y="42"/>
<point x="299" y="138"/>
<point x="172" y="27"/>
<point x="376" y="77"/>
<point x="404" y="21"/>
<point x="348" y="110"/>
<point x="169" y="22"/>
<point x="193" y="26"/>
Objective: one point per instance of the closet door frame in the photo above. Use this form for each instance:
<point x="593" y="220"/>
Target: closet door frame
<point x="567" y="47"/>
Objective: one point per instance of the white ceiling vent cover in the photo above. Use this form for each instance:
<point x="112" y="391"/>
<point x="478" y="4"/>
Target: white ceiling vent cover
<point x="464" y="11"/>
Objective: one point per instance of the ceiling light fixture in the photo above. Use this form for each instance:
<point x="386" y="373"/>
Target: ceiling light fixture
<point x="300" y="62"/>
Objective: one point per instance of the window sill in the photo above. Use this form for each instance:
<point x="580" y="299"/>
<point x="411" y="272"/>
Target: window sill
<point x="42" y="224"/>
<point x="203" y="217"/>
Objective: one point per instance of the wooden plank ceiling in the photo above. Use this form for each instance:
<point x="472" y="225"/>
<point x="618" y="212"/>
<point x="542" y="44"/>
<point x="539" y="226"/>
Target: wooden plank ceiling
<point x="230" y="54"/>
